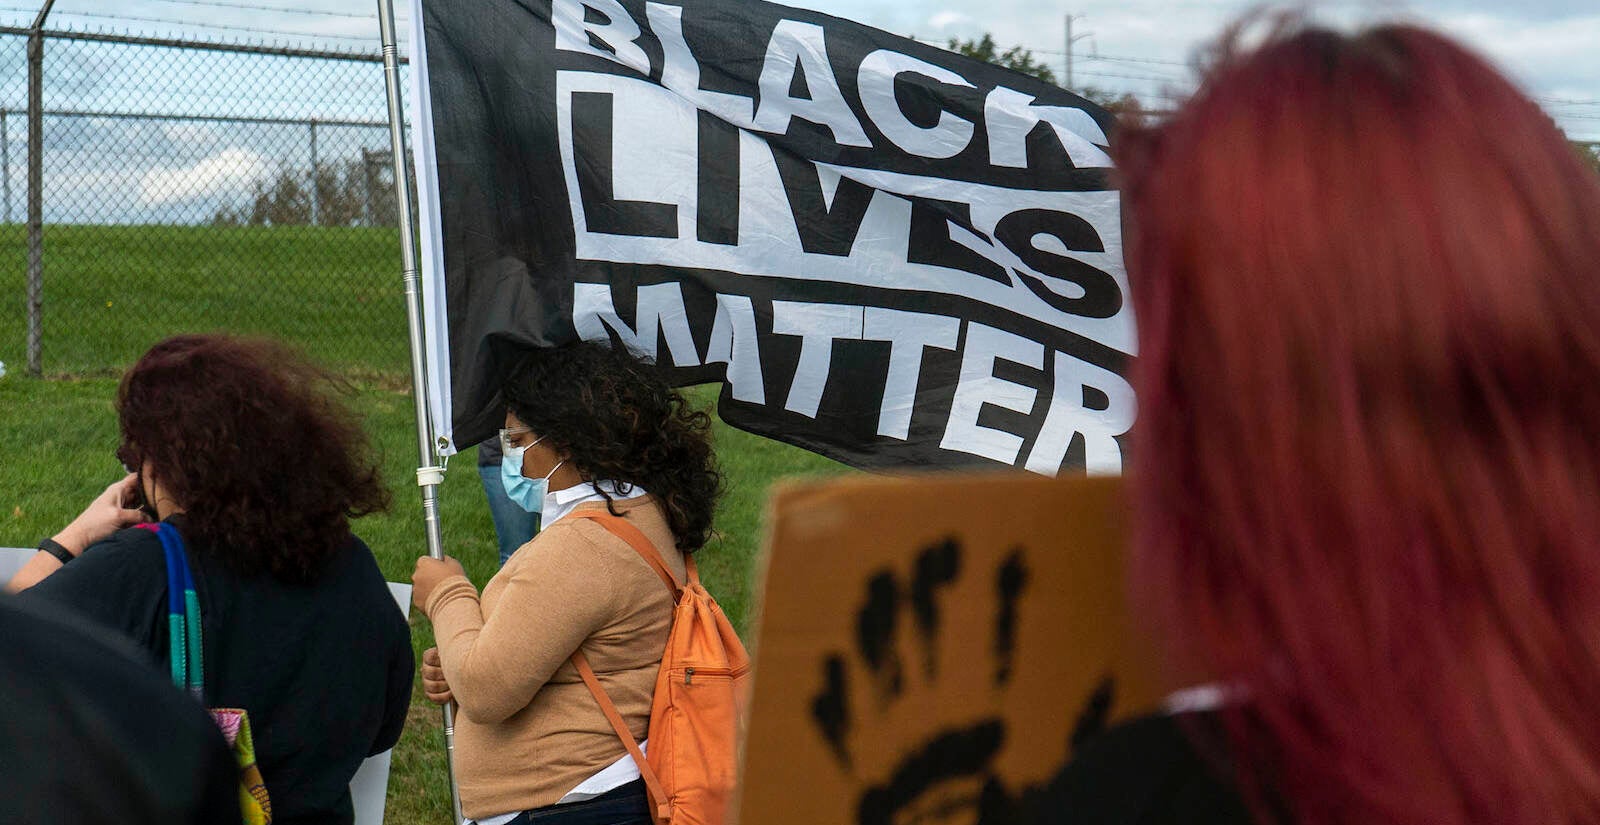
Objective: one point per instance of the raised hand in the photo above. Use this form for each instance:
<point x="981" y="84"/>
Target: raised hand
<point x="105" y="515"/>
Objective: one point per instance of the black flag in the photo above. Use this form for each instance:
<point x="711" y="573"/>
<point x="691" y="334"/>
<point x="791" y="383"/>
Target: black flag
<point x="893" y="255"/>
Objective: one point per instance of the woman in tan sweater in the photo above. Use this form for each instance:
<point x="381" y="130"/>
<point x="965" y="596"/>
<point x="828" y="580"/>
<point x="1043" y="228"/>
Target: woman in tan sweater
<point x="588" y="428"/>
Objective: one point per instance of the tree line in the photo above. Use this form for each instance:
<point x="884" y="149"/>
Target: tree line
<point x="354" y="192"/>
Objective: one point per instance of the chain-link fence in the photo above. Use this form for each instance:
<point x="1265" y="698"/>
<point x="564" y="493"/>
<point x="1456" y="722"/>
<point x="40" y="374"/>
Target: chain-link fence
<point x="192" y="186"/>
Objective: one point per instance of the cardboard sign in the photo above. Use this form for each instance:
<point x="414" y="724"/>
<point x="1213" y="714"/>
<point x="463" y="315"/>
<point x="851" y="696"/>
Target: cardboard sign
<point x="929" y="649"/>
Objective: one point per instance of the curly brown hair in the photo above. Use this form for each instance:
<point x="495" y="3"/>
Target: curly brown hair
<point x="618" y="419"/>
<point x="248" y="437"/>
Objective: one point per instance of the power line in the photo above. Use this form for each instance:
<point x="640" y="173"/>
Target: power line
<point x="1137" y="60"/>
<point x="214" y="26"/>
<point x="280" y="9"/>
<point x="1112" y="57"/>
<point x="1567" y="102"/>
<point x="1149" y="77"/>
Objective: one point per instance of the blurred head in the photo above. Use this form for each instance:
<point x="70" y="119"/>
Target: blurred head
<point x="1368" y="469"/>
<point x="247" y="439"/>
<point x="611" y="416"/>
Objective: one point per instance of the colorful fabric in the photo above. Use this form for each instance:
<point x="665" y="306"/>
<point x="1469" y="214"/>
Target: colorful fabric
<point x="186" y="654"/>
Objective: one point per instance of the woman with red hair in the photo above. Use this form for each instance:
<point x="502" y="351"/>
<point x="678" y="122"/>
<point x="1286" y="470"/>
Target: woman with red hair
<point x="244" y="459"/>
<point x="1367" y="274"/>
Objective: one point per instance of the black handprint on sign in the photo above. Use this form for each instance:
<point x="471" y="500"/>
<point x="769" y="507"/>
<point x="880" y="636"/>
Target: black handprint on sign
<point x="950" y="774"/>
<point x="875" y="631"/>
<point x="937" y="567"/>
<point x="1009" y="584"/>
<point x="831" y="708"/>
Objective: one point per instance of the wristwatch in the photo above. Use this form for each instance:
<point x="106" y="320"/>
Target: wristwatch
<point x="54" y="548"/>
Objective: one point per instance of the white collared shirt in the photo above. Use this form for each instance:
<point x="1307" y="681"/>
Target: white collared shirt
<point x="559" y="503"/>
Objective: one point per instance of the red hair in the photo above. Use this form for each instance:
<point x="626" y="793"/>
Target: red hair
<point x="1367" y="275"/>
<point x="255" y="444"/>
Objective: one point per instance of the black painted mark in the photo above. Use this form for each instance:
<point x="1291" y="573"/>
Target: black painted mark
<point x="1010" y="580"/>
<point x="937" y="567"/>
<point x="1096" y="713"/>
<point x="949" y="775"/>
<point x="952" y="755"/>
<point x="831" y="708"/>
<point x="875" y="635"/>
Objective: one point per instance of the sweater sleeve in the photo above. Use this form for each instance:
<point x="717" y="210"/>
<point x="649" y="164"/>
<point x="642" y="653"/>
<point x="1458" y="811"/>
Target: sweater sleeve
<point x="557" y="594"/>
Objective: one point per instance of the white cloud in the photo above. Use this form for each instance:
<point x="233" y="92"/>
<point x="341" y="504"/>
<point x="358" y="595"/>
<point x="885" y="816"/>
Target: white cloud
<point x="228" y="169"/>
<point x="189" y="133"/>
<point x="1548" y="45"/>
<point x="946" y="19"/>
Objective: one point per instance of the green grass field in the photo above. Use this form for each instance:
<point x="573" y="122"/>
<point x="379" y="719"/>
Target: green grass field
<point x="57" y="433"/>
<point x="111" y="291"/>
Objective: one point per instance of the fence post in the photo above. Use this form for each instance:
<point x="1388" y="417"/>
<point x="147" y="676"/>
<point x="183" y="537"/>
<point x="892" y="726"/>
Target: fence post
<point x="35" y="197"/>
<point x="366" y="178"/>
<point x="5" y="159"/>
<point x="316" y="188"/>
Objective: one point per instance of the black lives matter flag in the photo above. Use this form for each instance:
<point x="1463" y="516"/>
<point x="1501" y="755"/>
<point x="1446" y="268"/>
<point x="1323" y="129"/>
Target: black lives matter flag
<point x="893" y="255"/>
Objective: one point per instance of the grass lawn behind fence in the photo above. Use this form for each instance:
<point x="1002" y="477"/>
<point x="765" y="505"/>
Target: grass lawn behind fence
<point x="112" y="291"/>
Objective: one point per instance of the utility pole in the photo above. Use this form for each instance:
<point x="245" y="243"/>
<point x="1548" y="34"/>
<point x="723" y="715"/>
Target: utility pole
<point x="1072" y="38"/>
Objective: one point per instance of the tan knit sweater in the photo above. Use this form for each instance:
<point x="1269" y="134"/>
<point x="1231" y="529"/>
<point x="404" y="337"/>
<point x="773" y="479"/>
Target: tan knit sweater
<point x="528" y="731"/>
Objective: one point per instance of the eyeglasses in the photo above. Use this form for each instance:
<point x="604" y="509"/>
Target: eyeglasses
<point x="508" y="432"/>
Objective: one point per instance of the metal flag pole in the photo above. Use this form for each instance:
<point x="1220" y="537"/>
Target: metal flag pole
<point x="429" y="471"/>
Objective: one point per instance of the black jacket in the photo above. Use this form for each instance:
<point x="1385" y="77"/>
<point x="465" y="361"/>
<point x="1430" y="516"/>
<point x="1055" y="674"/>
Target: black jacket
<point x="1144" y="772"/>
<point x="324" y="669"/>
<point x="89" y="734"/>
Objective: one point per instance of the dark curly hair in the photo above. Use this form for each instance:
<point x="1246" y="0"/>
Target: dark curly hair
<point x="618" y="419"/>
<point x="247" y="436"/>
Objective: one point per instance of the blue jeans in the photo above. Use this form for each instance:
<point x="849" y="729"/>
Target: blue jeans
<point x="513" y="525"/>
<point x="620" y="806"/>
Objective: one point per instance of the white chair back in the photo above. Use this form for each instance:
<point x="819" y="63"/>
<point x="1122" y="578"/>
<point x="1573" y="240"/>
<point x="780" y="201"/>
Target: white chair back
<point x="12" y="559"/>
<point x="370" y="788"/>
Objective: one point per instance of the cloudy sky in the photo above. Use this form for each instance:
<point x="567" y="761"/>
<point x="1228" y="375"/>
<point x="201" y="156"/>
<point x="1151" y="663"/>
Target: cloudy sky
<point x="1551" y="46"/>
<point x="119" y="170"/>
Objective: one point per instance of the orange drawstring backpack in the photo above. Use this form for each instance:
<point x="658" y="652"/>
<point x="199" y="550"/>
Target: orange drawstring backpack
<point x="697" y="714"/>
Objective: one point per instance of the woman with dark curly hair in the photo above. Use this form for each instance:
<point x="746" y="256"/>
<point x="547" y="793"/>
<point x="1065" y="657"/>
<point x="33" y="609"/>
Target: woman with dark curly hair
<point x="240" y="446"/>
<point x="588" y="429"/>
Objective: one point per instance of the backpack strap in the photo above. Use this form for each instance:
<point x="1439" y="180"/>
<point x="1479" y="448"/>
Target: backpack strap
<point x="641" y="544"/>
<point x="184" y="643"/>
<point x="663" y="806"/>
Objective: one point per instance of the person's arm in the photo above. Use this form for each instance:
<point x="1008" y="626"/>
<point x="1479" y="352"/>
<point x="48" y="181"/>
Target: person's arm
<point x="555" y="599"/>
<point x="104" y="516"/>
<point x="119" y="583"/>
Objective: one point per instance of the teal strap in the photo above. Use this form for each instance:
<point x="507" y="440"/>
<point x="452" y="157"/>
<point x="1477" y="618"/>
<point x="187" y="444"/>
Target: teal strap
<point x="177" y="650"/>
<point x="184" y="640"/>
<point x="197" y="667"/>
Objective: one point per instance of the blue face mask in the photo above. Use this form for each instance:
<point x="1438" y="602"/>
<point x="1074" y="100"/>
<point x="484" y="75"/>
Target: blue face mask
<point x="527" y="493"/>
